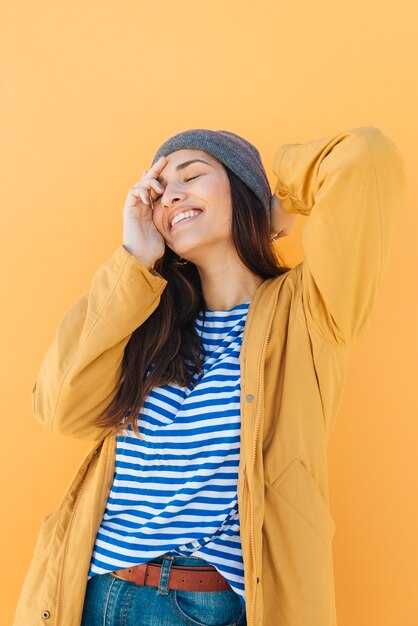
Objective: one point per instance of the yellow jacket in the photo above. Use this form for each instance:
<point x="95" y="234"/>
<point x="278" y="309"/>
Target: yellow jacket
<point x="297" y="338"/>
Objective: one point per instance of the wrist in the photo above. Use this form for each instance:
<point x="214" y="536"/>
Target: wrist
<point x="141" y="259"/>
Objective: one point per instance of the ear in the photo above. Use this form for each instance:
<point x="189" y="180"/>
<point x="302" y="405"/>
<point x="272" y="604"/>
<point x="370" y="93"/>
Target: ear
<point x="274" y="203"/>
<point x="275" y="206"/>
<point x="271" y="209"/>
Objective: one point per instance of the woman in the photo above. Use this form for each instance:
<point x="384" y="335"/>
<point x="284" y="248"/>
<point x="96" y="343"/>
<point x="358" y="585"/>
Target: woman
<point x="209" y="377"/>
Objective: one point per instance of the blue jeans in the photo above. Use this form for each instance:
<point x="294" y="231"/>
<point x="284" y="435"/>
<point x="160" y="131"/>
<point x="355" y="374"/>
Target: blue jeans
<point x="111" y="601"/>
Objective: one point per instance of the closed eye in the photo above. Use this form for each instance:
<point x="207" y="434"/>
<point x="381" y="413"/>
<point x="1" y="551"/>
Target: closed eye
<point x="186" y="181"/>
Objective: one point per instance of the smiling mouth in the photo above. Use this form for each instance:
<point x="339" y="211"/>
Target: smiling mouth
<point x="182" y="218"/>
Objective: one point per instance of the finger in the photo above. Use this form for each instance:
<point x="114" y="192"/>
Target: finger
<point x="144" y="196"/>
<point x="154" y="194"/>
<point x="156" y="185"/>
<point x="149" y="183"/>
<point x="140" y="194"/>
<point x="158" y="165"/>
<point x="139" y="184"/>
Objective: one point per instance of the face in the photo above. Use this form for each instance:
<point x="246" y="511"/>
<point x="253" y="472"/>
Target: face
<point x="202" y="188"/>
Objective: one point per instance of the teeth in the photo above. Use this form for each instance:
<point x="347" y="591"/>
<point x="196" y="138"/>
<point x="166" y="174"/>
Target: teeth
<point x="182" y="216"/>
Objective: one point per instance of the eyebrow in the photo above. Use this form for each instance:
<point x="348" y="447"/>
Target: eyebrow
<point x="181" y="166"/>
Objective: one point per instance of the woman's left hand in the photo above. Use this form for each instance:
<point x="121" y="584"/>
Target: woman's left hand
<point x="282" y="221"/>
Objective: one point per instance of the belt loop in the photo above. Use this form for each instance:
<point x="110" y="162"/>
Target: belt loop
<point x="165" y="575"/>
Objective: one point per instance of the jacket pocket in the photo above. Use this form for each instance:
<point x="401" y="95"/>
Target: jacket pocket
<point x="38" y="595"/>
<point x="297" y="573"/>
<point x="29" y="607"/>
<point x="298" y="488"/>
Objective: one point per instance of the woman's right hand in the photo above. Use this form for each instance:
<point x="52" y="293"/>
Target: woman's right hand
<point x="140" y="235"/>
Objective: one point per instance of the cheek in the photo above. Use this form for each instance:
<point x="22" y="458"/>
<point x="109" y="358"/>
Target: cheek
<point x="225" y="208"/>
<point x="219" y="196"/>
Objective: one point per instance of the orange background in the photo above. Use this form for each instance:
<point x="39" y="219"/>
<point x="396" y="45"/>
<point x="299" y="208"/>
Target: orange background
<point x="90" y="90"/>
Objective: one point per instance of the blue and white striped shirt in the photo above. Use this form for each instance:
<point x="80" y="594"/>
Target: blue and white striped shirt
<point x="175" y="490"/>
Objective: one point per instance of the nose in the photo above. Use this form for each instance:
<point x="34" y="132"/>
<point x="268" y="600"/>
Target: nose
<point x="171" y="194"/>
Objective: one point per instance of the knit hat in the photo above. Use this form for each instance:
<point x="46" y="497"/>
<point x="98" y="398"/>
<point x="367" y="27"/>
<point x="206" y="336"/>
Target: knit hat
<point x="238" y="154"/>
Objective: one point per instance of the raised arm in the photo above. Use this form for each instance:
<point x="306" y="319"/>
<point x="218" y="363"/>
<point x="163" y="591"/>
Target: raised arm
<point x="79" y="373"/>
<point x="351" y="186"/>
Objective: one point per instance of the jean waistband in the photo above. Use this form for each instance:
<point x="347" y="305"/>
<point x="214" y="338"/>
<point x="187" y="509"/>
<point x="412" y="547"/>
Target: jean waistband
<point x="184" y="561"/>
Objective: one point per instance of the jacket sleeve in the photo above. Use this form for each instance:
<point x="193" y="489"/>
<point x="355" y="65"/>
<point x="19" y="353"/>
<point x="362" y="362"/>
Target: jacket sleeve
<point x="79" y="373"/>
<point x="351" y="186"/>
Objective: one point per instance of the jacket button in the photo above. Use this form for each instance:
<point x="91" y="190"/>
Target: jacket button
<point x="249" y="397"/>
<point x="46" y="614"/>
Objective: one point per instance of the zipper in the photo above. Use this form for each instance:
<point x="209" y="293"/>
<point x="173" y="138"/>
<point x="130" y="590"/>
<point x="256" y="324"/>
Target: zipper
<point x="256" y="429"/>
<point x="67" y="532"/>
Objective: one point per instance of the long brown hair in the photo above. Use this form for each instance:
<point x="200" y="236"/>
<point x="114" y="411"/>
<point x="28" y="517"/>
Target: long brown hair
<point x="166" y="347"/>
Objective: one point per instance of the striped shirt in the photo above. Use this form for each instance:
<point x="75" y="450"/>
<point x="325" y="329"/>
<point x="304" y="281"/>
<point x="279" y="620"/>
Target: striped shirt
<point x="175" y="490"/>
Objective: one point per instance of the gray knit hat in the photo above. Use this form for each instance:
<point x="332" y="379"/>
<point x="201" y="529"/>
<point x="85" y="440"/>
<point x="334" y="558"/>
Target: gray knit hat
<point x="238" y="154"/>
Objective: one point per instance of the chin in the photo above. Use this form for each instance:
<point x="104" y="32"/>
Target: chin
<point x="186" y="252"/>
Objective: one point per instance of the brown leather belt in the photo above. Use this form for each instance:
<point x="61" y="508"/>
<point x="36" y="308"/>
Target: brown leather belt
<point x="192" y="578"/>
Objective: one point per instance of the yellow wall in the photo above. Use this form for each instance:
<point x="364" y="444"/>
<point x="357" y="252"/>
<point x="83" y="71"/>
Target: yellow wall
<point x="90" y="90"/>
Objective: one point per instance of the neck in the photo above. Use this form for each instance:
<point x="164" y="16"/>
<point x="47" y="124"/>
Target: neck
<point x="227" y="283"/>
